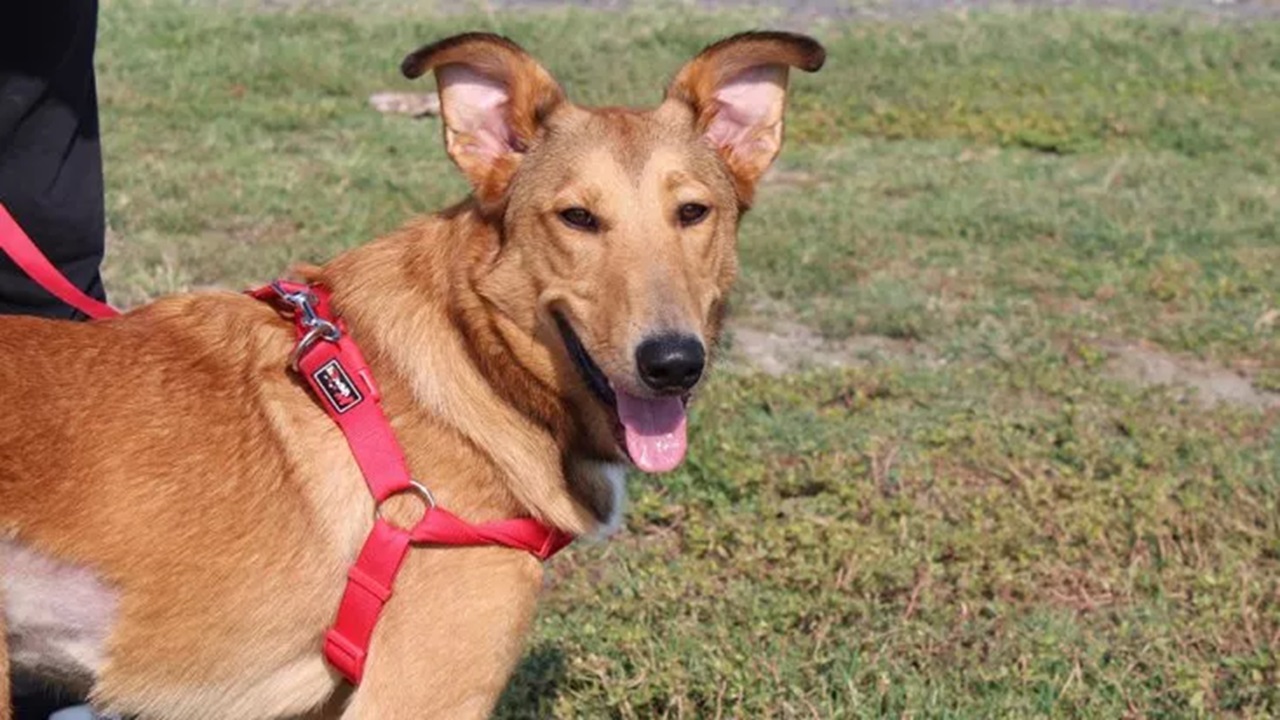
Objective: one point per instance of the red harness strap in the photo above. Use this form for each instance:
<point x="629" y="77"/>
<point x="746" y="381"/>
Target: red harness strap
<point x="30" y="260"/>
<point x="336" y="371"/>
<point x="332" y="365"/>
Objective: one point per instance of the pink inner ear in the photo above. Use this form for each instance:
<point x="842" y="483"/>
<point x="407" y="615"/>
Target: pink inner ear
<point x="475" y="108"/>
<point x="751" y="101"/>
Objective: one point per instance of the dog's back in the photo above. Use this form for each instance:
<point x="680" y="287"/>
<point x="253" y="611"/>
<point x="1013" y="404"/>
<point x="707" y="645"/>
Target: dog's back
<point x="143" y="447"/>
<point x="146" y="398"/>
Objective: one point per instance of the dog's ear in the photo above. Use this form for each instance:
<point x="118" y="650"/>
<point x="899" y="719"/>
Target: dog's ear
<point x="493" y="97"/>
<point x="738" y="90"/>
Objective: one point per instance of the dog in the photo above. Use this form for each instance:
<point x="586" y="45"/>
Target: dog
<point x="178" y="514"/>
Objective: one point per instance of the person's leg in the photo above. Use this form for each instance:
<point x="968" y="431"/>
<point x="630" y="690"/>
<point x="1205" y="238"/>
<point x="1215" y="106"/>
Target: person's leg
<point x="50" y="157"/>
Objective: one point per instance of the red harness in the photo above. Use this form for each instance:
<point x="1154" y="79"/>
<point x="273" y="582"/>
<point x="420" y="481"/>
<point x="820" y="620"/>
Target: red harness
<point x="337" y="373"/>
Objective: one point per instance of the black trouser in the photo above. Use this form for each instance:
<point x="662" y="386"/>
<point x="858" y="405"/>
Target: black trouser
<point x="50" y="157"/>
<point x="50" y="166"/>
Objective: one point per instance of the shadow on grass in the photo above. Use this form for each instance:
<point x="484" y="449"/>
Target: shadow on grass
<point x="534" y="688"/>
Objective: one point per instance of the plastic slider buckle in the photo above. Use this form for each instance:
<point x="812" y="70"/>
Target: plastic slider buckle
<point x="366" y="582"/>
<point x="345" y="656"/>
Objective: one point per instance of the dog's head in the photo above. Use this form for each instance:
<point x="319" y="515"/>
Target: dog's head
<point x="618" y="226"/>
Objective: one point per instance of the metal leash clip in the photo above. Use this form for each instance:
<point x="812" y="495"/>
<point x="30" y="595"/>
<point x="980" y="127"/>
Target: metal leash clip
<point x="317" y="328"/>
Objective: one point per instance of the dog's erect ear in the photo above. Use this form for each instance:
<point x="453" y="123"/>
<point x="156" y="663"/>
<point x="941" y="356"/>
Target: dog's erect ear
<point x="493" y="97"/>
<point x="738" y="90"/>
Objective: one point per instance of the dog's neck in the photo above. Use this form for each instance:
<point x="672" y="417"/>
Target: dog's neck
<point x="410" y="300"/>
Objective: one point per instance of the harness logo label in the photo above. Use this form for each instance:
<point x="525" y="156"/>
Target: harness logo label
<point x="337" y="386"/>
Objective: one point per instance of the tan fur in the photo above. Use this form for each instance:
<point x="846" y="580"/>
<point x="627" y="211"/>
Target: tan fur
<point x="170" y="452"/>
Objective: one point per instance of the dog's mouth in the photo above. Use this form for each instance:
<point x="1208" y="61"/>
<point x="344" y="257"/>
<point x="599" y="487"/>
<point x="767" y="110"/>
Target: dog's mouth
<point x="653" y="431"/>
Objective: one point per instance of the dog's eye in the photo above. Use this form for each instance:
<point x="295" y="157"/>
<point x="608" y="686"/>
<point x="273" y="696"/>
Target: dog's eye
<point x="580" y="218"/>
<point x="692" y="213"/>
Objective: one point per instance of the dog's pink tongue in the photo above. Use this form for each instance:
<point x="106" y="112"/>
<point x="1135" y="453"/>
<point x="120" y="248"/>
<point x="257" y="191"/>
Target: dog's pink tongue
<point x="656" y="430"/>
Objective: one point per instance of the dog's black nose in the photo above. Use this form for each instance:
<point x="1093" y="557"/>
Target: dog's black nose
<point x="671" y="363"/>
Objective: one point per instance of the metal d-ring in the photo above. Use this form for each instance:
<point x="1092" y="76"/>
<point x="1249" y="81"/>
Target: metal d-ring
<point x="414" y="487"/>
<point x="320" y="329"/>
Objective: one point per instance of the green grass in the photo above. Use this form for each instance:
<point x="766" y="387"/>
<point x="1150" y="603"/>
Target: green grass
<point x="1003" y="531"/>
<point x="976" y="543"/>
<point x="940" y="239"/>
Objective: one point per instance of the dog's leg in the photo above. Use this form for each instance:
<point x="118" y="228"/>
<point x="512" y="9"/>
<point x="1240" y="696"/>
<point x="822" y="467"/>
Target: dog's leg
<point x="6" y="702"/>
<point x="450" y="636"/>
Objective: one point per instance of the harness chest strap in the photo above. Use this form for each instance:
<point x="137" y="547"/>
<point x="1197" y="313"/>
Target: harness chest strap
<point x="337" y="373"/>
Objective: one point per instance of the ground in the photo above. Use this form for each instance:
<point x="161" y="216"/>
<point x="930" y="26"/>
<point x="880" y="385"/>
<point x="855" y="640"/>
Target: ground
<point x="996" y="432"/>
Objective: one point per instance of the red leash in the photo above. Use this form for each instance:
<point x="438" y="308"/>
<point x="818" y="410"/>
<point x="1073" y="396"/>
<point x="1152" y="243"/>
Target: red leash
<point x="337" y="373"/>
<point x="28" y="257"/>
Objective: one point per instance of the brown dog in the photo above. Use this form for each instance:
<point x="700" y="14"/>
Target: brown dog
<point x="177" y="514"/>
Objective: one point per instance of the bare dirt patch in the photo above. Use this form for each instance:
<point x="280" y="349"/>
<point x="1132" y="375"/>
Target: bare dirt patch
<point x="417" y="105"/>
<point x="786" y="178"/>
<point x="779" y="347"/>
<point x="1147" y="365"/>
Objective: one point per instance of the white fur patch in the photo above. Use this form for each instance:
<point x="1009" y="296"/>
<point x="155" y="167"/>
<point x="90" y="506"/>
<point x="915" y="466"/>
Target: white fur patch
<point x="58" y="615"/>
<point x="616" y="475"/>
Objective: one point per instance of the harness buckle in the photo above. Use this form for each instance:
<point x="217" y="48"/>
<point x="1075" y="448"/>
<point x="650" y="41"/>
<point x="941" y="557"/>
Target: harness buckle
<point x="317" y="328"/>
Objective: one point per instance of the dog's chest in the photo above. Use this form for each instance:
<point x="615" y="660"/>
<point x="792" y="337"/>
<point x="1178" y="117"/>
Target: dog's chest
<point x="58" y="616"/>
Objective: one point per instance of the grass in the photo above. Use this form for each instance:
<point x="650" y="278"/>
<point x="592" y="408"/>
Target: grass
<point x="1004" y="531"/>
<point x="941" y="238"/>
<point x="983" y="544"/>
